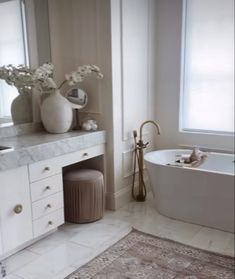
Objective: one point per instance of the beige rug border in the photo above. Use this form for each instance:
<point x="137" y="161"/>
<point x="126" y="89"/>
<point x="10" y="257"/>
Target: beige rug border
<point x="154" y="236"/>
<point x="178" y="242"/>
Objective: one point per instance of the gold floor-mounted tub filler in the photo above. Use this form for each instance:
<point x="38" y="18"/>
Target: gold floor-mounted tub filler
<point x="139" y="158"/>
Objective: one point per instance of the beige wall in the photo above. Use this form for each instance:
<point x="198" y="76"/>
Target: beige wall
<point x="117" y="36"/>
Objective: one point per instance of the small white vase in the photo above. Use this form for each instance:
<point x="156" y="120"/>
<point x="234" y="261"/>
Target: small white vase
<point x="56" y="113"/>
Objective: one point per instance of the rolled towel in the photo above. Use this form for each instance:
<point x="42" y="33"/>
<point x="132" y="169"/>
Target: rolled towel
<point x="197" y="155"/>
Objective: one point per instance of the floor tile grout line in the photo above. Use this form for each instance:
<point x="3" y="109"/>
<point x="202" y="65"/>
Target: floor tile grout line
<point x="18" y="276"/>
<point x="13" y="274"/>
<point x="31" y="251"/>
<point x="69" y="266"/>
<point x="86" y="246"/>
<point x="82" y="245"/>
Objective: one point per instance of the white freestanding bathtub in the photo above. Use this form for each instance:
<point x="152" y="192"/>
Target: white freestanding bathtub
<point x="202" y="195"/>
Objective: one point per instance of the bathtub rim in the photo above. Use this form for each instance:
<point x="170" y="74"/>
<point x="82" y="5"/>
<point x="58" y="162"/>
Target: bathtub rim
<point x="147" y="154"/>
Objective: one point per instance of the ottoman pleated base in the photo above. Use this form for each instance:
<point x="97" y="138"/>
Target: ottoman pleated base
<point x="84" y="197"/>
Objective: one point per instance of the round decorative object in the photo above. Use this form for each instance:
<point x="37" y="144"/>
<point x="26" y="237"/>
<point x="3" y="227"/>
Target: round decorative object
<point x="89" y="125"/>
<point x="21" y="108"/>
<point x="56" y="113"/>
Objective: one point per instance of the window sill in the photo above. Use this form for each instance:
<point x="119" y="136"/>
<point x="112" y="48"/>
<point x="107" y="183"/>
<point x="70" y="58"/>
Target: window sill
<point x="207" y="132"/>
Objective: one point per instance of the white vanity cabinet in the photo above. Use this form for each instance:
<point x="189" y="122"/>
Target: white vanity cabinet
<point x="15" y="208"/>
<point x="46" y="185"/>
<point x="31" y="198"/>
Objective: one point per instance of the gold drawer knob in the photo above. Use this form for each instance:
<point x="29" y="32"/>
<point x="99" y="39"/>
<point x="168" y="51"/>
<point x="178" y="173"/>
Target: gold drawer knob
<point x="48" y="188"/>
<point x="49" y="206"/>
<point x="46" y="169"/>
<point x="18" y="208"/>
<point x="50" y="223"/>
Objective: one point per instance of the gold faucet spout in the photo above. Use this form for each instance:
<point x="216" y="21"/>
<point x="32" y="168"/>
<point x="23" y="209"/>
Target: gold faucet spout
<point x="152" y="122"/>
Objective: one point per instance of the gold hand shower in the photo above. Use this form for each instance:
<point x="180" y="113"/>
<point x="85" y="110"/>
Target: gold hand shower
<point x="139" y="156"/>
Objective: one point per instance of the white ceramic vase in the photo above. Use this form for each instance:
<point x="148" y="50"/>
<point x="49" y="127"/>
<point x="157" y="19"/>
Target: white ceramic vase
<point x="21" y="108"/>
<point x="56" y="113"/>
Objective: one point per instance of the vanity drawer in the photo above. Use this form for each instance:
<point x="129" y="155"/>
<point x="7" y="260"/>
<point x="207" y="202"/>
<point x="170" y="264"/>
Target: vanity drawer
<point x="83" y="154"/>
<point x="46" y="168"/>
<point x="48" y="222"/>
<point x="46" y="187"/>
<point x="47" y="205"/>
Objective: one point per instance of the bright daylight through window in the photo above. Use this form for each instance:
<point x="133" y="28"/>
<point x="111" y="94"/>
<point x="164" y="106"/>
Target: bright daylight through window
<point x="207" y="96"/>
<point x="12" y="49"/>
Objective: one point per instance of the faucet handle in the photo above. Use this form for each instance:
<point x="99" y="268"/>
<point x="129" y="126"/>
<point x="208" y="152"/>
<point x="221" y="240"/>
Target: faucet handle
<point x="146" y="144"/>
<point x="142" y="145"/>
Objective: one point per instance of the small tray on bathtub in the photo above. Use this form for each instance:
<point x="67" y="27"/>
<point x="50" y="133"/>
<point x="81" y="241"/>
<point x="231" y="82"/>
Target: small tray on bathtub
<point x="181" y="165"/>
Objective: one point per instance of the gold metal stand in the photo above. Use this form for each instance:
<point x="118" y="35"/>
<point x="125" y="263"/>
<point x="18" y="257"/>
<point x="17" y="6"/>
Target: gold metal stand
<point x="139" y="156"/>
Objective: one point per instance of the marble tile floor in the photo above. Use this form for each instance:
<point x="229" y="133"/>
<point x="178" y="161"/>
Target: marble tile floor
<point x="59" y="254"/>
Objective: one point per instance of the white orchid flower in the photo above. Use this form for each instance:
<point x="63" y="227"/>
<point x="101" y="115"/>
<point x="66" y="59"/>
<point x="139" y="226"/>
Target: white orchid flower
<point x="49" y="82"/>
<point x="24" y="78"/>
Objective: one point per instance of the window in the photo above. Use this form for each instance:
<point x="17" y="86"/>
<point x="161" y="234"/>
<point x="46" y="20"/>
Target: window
<point x="207" y="95"/>
<point x="13" y="48"/>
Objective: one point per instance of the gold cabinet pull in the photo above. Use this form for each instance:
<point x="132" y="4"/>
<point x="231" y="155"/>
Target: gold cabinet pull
<point x="50" y="223"/>
<point x="18" y="208"/>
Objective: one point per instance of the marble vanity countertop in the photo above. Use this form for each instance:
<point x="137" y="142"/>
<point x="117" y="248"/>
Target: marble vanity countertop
<point x="30" y="148"/>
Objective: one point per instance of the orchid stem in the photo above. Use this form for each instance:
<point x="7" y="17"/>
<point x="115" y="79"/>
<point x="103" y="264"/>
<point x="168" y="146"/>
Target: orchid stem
<point x="62" y="84"/>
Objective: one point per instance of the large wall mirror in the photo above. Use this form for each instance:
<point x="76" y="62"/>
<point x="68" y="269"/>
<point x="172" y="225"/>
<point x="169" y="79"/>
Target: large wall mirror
<point x="24" y="39"/>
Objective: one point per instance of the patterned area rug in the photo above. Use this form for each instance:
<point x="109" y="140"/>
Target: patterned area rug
<point x="140" y="255"/>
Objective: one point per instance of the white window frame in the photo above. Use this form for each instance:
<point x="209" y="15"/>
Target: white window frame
<point x="6" y="120"/>
<point x="30" y="42"/>
<point x="182" y="83"/>
<point x="24" y="29"/>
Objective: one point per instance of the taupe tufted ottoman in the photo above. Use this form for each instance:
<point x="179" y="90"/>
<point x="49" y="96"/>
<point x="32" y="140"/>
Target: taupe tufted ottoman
<point x="83" y="195"/>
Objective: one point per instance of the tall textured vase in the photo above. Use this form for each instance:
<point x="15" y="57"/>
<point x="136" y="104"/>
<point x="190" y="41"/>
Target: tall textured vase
<point x="21" y="108"/>
<point x="56" y="113"/>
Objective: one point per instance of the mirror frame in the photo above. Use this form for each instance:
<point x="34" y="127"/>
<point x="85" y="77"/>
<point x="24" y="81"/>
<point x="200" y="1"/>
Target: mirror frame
<point x="73" y="103"/>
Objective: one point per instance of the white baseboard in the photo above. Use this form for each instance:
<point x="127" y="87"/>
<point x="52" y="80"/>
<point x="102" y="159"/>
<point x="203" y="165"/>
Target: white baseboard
<point x="122" y="197"/>
<point x="110" y="201"/>
<point x="118" y="199"/>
